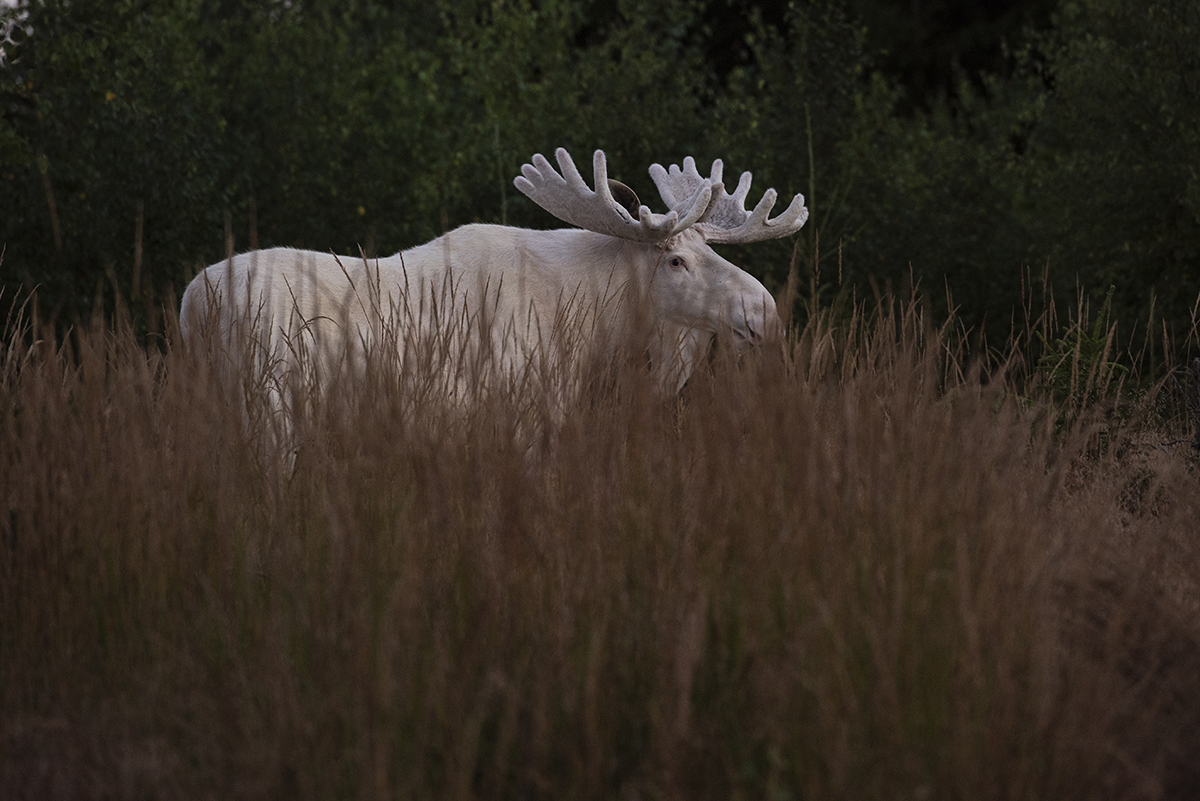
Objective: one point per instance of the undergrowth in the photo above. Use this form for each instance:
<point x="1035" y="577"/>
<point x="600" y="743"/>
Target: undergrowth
<point x="847" y="567"/>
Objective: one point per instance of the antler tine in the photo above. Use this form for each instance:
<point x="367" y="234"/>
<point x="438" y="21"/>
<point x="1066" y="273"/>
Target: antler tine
<point x="743" y="189"/>
<point x="729" y="222"/>
<point x="679" y="186"/>
<point x="570" y="172"/>
<point x="726" y="219"/>
<point x="568" y="197"/>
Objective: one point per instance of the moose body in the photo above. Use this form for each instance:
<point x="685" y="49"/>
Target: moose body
<point x="496" y="301"/>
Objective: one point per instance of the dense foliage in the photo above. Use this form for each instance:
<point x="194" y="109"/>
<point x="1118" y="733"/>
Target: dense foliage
<point x="172" y="128"/>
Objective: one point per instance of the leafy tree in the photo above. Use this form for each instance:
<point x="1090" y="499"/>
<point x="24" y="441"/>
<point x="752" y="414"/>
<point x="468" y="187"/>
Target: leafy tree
<point x="782" y="113"/>
<point x="98" y="103"/>
<point x="928" y="46"/>
<point x="1113" y="165"/>
<point x="1082" y="162"/>
<point x="181" y="125"/>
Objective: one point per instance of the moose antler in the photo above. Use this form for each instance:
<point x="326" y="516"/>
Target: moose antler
<point x="726" y="218"/>
<point x="568" y="198"/>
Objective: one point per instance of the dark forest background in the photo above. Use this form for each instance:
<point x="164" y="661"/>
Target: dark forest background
<point x="972" y="147"/>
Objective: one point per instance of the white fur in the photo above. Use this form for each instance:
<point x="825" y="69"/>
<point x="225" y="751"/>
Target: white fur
<point x="497" y="299"/>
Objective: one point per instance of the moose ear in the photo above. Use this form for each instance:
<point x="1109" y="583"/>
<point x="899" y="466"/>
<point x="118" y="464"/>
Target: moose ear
<point x="626" y="198"/>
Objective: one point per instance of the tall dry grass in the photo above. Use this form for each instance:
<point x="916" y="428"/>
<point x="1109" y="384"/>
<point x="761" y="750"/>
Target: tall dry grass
<point x="850" y="569"/>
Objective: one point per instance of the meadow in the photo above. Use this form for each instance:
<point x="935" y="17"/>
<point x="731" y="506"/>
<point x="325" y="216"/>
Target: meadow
<point x="864" y="564"/>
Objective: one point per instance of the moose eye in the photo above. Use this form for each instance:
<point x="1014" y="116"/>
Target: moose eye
<point x="678" y="263"/>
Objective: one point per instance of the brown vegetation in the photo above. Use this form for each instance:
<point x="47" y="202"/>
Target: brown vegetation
<point x="850" y="569"/>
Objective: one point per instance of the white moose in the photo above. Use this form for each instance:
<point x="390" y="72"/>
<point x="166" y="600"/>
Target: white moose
<point x="497" y="300"/>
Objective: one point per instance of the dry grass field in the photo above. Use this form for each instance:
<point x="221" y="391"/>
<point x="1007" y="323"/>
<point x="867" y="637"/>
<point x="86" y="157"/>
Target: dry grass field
<point x="847" y="568"/>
